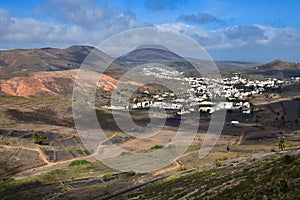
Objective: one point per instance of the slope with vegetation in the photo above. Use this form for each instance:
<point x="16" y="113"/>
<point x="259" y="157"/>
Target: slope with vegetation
<point x="274" y="177"/>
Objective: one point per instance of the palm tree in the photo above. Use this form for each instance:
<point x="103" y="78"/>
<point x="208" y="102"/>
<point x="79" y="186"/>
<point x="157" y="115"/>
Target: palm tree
<point x="282" y="143"/>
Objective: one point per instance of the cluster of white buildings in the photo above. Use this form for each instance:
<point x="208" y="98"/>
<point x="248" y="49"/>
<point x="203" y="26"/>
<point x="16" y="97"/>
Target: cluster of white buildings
<point x="160" y="72"/>
<point x="203" y="94"/>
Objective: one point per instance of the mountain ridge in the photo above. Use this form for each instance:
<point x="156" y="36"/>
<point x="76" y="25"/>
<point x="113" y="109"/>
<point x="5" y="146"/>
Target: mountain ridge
<point x="20" y="62"/>
<point x="27" y="72"/>
<point x="56" y="59"/>
<point x="275" y="69"/>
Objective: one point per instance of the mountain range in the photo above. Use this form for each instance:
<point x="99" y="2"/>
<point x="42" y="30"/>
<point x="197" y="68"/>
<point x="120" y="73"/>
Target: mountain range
<point x="27" y="72"/>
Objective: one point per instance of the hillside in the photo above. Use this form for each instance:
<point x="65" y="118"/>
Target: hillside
<point x="263" y="176"/>
<point x="153" y="54"/>
<point x="157" y="54"/>
<point x="27" y="72"/>
<point x="234" y="65"/>
<point x="275" y="177"/>
<point x="275" y="69"/>
<point x="23" y="61"/>
<point x="31" y="72"/>
<point x="51" y="83"/>
<point x="20" y="62"/>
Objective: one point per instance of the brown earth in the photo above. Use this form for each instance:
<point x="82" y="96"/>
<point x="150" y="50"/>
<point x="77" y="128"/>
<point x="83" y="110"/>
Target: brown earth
<point x="55" y="83"/>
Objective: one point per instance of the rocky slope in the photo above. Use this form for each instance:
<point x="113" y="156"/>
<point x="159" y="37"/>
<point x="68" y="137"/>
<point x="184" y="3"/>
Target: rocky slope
<point x="56" y="83"/>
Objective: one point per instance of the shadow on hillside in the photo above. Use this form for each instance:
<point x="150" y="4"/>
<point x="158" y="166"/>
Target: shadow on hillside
<point x="46" y="116"/>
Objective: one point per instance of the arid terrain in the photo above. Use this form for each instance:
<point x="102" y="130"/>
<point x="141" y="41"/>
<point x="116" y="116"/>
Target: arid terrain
<point x="42" y="155"/>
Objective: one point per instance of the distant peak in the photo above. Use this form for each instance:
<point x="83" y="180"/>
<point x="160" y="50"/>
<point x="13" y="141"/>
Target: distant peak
<point x="161" y="47"/>
<point x="277" y="61"/>
<point x="80" y="47"/>
<point x="47" y="48"/>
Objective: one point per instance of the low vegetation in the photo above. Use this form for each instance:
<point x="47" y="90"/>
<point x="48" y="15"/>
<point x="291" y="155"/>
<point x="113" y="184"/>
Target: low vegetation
<point x="79" y="162"/>
<point x="269" y="179"/>
<point x="157" y="146"/>
<point x="39" y="138"/>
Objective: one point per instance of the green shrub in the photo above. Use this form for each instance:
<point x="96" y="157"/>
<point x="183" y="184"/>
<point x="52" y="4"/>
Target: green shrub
<point x="40" y="138"/>
<point x="158" y="146"/>
<point x="182" y="168"/>
<point x="126" y="174"/>
<point x="80" y="151"/>
<point x="107" y="176"/>
<point x="79" y="162"/>
<point x="87" y="152"/>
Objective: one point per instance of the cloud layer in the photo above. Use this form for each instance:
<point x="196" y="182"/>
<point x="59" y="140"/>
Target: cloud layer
<point x="84" y="13"/>
<point x="90" y="23"/>
<point x="30" y="32"/>
<point x="237" y="36"/>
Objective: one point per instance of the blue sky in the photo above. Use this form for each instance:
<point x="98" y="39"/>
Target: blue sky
<point x="229" y="30"/>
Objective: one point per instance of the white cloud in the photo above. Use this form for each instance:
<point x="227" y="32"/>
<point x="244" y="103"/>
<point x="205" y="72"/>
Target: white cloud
<point x="84" y="13"/>
<point x="238" y="36"/>
<point x="30" y="32"/>
<point x="34" y="33"/>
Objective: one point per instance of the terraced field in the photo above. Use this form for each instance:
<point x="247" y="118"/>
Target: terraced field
<point x="226" y="172"/>
<point x="273" y="176"/>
